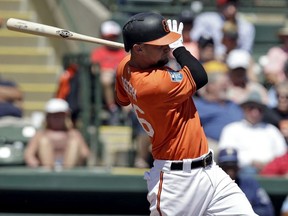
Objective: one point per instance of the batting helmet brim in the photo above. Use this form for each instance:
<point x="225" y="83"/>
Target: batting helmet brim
<point x="166" y="40"/>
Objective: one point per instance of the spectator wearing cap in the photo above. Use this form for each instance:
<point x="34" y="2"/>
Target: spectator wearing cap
<point x="229" y="40"/>
<point x="206" y="49"/>
<point x="211" y="23"/>
<point x="108" y="59"/>
<point x="58" y="144"/>
<point x="257" y="196"/>
<point x="257" y="142"/>
<point x="274" y="65"/>
<point x="239" y="63"/>
<point x="11" y="98"/>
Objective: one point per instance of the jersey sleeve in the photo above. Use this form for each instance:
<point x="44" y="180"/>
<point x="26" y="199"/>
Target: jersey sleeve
<point x="121" y="96"/>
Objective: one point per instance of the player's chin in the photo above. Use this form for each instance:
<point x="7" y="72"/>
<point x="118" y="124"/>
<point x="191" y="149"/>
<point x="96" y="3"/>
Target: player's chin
<point x="163" y="61"/>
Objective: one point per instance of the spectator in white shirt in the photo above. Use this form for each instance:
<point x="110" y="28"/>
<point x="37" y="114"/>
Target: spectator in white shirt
<point x="256" y="142"/>
<point x="211" y="23"/>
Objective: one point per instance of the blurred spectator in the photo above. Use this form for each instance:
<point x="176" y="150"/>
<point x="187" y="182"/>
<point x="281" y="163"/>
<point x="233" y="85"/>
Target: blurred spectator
<point x="215" y="66"/>
<point x="276" y="167"/>
<point x="274" y="66"/>
<point x="257" y="142"/>
<point x="276" y="58"/>
<point x="142" y="142"/>
<point x="108" y="58"/>
<point x="278" y="115"/>
<point x="58" y="144"/>
<point x="211" y="23"/>
<point x="257" y="196"/>
<point x="284" y="208"/>
<point x="230" y="37"/>
<point x="69" y="89"/>
<point x="238" y="62"/>
<point x="10" y="99"/>
<point x="215" y="110"/>
<point x="206" y="49"/>
<point x="229" y="40"/>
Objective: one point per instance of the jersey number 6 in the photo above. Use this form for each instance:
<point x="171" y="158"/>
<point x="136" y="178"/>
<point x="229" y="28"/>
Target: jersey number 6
<point x="145" y="124"/>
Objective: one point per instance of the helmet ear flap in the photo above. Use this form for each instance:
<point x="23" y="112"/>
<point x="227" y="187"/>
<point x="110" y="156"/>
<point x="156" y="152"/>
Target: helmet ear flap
<point x="128" y="44"/>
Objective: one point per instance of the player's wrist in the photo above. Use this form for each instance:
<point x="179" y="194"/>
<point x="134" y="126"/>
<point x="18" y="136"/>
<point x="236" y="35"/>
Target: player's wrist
<point x="176" y="45"/>
<point x="174" y="27"/>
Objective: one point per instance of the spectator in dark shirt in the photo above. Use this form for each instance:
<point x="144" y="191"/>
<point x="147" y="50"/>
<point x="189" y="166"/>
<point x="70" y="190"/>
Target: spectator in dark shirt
<point x="257" y="196"/>
<point x="10" y="99"/>
<point x="108" y="58"/>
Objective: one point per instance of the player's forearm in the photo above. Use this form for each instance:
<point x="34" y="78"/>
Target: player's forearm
<point x="184" y="58"/>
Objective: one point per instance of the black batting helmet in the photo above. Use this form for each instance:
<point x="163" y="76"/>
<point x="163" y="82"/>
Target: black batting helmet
<point x="148" y="28"/>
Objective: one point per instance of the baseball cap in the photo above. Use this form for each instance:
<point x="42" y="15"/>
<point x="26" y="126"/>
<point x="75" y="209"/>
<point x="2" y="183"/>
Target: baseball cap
<point x="215" y="66"/>
<point x="253" y="99"/>
<point x="148" y="28"/>
<point x="56" y="105"/>
<point x="205" y="40"/>
<point x="230" y="30"/>
<point x="238" y="58"/>
<point x="109" y="28"/>
<point x="228" y="155"/>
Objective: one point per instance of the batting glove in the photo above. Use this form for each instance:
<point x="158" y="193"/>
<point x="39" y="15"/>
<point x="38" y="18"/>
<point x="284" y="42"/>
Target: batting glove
<point x="172" y="24"/>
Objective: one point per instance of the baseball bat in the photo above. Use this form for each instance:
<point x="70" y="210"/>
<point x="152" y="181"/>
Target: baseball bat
<point x="51" y="31"/>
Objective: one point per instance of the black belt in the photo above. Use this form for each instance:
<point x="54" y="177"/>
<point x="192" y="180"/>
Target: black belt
<point x="206" y="161"/>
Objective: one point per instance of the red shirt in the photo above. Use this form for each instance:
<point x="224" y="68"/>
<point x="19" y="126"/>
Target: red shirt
<point x="162" y="101"/>
<point x="107" y="58"/>
<point x="278" y="166"/>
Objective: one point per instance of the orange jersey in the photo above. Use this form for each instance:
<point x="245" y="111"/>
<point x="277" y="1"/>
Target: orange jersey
<point x="162" y="101"/>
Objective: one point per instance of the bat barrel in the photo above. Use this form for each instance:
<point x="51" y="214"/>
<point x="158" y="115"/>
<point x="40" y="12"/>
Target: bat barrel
<point x="51" y="31"/>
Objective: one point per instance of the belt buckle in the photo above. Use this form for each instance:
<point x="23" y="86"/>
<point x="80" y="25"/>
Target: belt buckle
<point x="205" y="160"/>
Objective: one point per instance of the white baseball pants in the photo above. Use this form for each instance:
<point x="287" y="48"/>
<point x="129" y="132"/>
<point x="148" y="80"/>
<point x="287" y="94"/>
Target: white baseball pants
<point x="196" y="192"/>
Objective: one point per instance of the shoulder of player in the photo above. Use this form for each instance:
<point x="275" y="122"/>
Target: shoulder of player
<point x="123" y="64"/>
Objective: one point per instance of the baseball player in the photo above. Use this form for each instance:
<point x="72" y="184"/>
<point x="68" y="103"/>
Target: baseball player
<point x="184" y="179"/>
